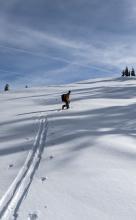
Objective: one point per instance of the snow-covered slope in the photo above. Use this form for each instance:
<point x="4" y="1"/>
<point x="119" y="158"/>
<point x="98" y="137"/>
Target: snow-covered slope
<point x="86" y="156"/>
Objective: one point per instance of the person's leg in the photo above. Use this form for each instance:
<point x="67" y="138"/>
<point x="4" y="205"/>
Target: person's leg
<point x="63" y="106"/>
<point x="67" y="105"/>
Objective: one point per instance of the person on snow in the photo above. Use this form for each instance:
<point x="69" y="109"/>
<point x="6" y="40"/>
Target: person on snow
<point x="66" y="99"/>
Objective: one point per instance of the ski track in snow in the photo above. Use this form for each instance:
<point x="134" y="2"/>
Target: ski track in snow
<point x="10" y="202"/>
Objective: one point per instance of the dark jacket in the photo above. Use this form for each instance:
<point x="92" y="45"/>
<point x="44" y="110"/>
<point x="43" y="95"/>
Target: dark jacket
<point x="66" y="97"/>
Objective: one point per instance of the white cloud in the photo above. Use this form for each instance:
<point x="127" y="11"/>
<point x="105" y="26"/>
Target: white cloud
<point x="33" y="42"/>
<point x="74" y="51"/>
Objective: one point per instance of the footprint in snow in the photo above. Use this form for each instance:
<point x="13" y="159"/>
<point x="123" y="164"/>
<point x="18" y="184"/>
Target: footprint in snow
<point x="10" y="165"/>
<point x="44" y="178"/>
<point x="32" y="216"/>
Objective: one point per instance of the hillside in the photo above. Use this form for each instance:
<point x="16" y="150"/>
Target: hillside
<point x="69" y="165"/>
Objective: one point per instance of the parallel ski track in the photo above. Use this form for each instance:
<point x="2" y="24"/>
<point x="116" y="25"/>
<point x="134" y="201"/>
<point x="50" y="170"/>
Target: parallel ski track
<point x="10" y="202"/>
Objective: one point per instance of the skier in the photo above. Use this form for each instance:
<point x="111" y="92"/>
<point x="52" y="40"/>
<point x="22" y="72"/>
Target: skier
<point x="66" y="99"/>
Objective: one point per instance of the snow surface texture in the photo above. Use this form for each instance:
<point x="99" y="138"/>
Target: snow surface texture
<point x="87" y="170"/>
<point x="10" y="202"/>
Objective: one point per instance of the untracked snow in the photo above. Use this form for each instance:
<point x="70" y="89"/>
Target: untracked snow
<point x="82" y="166"/>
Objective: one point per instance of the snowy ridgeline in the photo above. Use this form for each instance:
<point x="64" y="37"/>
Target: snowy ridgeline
<point x="83" y="166"/>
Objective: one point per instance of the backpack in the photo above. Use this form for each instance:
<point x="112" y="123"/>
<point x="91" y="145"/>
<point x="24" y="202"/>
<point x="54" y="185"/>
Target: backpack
<point x="63" y="97"/>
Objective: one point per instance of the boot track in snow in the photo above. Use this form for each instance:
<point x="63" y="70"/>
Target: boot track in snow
<point x="10" y="202"/>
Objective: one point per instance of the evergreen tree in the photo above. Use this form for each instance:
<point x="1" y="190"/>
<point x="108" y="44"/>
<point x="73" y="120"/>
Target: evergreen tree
<point x="123" y="73"/>
<point x="126" y="72"/>
<point x="133" y="72"/>
<point x="6" y="87"/>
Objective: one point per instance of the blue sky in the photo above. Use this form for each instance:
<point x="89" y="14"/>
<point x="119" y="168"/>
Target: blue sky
<point x="59" y="41"/>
